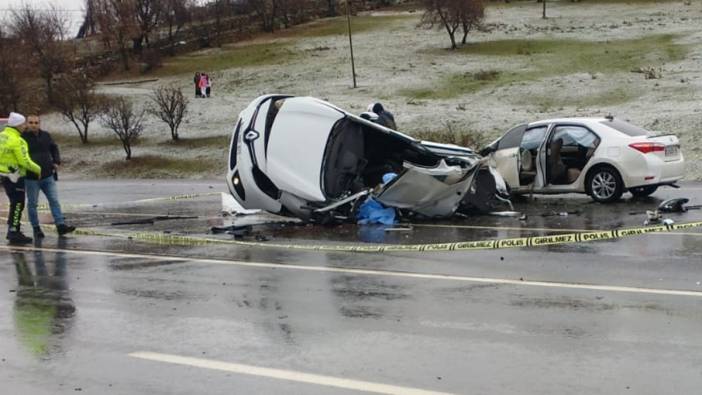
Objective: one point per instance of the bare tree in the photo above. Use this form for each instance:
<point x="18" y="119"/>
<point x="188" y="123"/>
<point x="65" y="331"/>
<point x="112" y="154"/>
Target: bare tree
<point x="451" y="15"/>
<point x="471" y="16"/>
<point x="78" y="102"/>
<point x="265" y="10"/>
<point x="120" y="117"/>
<point x="117" y="23"/>
<point x="148" y="16"/>
<point x="176" y="14"/>
<point x="43" y="33"/>
<point x="170" y="105"/>
<point x="291" y="12"/>
<point x="13" y="74"/>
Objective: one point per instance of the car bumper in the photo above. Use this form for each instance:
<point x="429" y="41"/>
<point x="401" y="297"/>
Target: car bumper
<point x="655" y="171"/>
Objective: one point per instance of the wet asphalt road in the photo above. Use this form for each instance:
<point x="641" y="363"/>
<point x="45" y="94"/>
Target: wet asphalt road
<point x="74" y="311"/>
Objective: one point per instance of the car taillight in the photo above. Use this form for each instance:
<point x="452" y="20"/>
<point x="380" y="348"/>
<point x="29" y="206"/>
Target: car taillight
<point x="648" y="147"/>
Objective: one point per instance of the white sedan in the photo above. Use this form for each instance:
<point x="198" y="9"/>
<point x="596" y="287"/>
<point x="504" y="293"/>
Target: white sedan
<point x="602" y="157"/>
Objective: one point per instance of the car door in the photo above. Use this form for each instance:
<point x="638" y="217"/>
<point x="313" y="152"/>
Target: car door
<point x="577" y="144"/>
<point x="532" y="141"/>
<point x="506" y="156"/>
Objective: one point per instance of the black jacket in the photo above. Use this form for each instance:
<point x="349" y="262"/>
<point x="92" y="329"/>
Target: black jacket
<point x="43" y="152"/>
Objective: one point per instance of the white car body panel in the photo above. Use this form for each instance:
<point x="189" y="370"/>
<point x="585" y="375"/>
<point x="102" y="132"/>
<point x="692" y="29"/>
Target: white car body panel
<point x="507" y="164"/>
<point x="296" y="153"/>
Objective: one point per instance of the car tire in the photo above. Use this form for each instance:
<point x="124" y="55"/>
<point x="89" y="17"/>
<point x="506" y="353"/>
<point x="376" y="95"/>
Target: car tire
<point x="604" y="184"/>
<point x="641" y="192"/>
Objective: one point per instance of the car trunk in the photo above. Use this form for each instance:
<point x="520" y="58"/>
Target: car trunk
<point x="672" y="147"/>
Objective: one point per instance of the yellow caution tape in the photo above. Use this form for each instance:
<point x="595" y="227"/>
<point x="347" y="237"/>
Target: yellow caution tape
<point x="520" y="242"/>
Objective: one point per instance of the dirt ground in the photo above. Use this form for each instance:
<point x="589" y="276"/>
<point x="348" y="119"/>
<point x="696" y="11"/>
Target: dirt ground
<point x="404" y="67"/>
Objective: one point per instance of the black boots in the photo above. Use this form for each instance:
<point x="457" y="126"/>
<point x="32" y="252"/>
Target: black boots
<point x="38" y="233"/>
<point x="62" y="229"/>
<point x="18" y="237"/>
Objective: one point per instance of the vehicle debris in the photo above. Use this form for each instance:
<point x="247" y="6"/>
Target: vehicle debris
<point x="677" y="205"/>
<point x="152" y="220"/>
<point x="561" y="213"/>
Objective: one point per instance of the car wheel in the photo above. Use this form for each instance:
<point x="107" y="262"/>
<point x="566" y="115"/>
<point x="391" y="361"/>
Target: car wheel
<point x="604" y="184"/>
<point x="643" y="191"/>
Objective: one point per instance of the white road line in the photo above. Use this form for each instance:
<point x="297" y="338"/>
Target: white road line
<point x="288" y="375"/>
<point x="373" y="272"/>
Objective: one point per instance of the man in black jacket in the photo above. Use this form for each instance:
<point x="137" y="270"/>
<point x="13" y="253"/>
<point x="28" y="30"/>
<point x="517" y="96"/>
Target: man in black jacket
<point x="45" y="153"/>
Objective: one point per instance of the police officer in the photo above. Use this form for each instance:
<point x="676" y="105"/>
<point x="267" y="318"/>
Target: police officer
<point x="14" y="164"/>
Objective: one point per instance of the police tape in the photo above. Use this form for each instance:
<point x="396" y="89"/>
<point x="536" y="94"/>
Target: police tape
<point x="520" y="242"/>
<point x="44" y="207"/>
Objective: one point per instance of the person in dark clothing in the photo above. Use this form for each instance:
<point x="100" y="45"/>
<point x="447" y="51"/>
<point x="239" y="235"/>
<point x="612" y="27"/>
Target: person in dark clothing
<point x="385" y="117"/>
<point x="196" y="80"/>
<point x="45" y="153"/>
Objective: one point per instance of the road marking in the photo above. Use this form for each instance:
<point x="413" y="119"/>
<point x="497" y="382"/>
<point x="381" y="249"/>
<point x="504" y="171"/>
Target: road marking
<point x="373" y="272"/>
<point x="280" y="374"/>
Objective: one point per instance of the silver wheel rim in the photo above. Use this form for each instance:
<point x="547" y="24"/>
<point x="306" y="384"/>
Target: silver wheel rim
<point x="604" y="185"/>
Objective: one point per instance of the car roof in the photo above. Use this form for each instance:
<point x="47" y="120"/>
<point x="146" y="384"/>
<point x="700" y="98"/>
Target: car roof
<point x="581" y="120"/>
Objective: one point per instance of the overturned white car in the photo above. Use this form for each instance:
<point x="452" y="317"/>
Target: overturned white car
<point x="304" y="157"/>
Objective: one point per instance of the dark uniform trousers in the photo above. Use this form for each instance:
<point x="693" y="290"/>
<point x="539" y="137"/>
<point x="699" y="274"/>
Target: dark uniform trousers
<point x="15" y="193"/>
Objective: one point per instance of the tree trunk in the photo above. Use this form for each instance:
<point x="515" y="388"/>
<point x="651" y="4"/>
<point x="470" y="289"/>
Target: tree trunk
<point x="127" y="150"/>
<point x="124" y="54"/>
<point x="49" y="88"/>
<point x="84" y="135"/>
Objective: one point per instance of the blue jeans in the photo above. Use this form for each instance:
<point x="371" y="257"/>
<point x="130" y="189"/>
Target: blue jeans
<point x="48" y="186"/>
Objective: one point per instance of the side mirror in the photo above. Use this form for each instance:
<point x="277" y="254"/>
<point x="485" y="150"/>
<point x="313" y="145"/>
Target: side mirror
<point x="487" y="150"/>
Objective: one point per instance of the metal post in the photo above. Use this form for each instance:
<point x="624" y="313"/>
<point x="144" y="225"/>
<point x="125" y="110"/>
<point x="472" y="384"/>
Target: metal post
<point x="544" y="14"/>
<point x="348" y="21"/>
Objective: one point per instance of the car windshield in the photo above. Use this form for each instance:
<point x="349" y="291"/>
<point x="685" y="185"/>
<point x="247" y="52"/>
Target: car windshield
<point x="625" y="127"/>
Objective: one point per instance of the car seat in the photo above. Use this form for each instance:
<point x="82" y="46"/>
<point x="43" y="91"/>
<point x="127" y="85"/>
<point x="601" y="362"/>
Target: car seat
<point x="527" y="170"/>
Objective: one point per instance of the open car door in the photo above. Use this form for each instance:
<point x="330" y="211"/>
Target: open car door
<point x="507" y="156"/>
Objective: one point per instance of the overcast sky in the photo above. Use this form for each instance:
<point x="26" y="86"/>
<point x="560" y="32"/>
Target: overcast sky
<point x="71" y="8"/>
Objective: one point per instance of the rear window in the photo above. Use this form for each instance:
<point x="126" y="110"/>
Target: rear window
<point x="625" y="127"/>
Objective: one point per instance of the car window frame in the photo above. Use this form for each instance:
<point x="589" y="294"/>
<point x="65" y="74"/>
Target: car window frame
<point x="547" y="142"/>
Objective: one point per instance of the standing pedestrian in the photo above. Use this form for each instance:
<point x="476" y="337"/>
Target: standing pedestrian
<point x="203" y="85"/>
<point x="196" y="80"/>
<point x="14" y="164"/>
<point x="208" y="86"/>
<point x="44" y="152"/>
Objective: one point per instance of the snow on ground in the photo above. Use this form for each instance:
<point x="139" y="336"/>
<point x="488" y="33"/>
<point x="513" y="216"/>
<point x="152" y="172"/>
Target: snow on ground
<point x="400" y="56"/>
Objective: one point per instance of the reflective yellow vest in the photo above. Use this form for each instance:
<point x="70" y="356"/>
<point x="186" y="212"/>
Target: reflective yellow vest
<point x="14" y="153"/>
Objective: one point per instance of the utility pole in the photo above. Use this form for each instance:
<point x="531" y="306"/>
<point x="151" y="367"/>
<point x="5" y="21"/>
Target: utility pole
<point x="348" y="22"/>
<point x="544" y="14"/>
